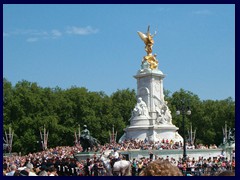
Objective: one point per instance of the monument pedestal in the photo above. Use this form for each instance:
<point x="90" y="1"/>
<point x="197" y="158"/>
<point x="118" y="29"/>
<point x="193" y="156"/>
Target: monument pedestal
<point x="84" y="155"/>
<point x="151" y="118"/>
<point x="152" y="133"/>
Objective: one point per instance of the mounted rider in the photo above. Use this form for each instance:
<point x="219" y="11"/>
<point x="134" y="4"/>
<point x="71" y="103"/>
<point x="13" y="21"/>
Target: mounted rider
<point x="116" y="154"/>
<point x="115" y="157"/>
<point x="87" y="141"/>
<point x="85" y="134"/>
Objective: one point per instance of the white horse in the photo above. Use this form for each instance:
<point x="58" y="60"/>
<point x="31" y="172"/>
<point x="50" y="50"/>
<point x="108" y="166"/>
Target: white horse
<point x="107" y="165"/>
<point x="122" y="168"/>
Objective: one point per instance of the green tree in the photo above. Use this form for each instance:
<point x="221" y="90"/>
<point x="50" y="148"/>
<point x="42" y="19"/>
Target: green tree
<point x="27" y="108"/>
<point x="123" y="103"/>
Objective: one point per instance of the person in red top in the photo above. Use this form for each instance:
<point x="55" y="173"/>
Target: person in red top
<point x="233" y="165"/>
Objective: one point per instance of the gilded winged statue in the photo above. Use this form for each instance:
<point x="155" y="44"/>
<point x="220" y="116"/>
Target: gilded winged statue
<point x="148" y="41"/>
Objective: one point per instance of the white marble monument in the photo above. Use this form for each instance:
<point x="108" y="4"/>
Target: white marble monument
<point x="151" y="118"/>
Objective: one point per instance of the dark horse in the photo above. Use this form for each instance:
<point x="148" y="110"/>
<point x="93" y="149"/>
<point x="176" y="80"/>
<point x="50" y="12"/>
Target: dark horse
<point x="88" y="143"/>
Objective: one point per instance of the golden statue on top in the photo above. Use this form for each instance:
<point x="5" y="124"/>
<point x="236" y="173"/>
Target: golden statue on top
<point x="148" y="40"/>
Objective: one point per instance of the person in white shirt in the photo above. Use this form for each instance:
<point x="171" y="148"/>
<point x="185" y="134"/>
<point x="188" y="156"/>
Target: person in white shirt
<point x="29" y="168"/>
<point x="13" y="168"/>
<point x="115" y="154"/>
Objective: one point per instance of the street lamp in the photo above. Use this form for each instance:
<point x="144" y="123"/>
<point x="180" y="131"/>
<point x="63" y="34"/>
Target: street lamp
<point x="184" y="109"/>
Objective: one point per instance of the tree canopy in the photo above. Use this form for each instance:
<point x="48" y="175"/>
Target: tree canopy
<point x="27" y="107"/>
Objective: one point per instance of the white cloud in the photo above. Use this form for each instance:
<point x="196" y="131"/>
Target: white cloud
<point x="23" y="32"/>
<point x="202" y="12"/>
<point x="56" y="33"/>
<point x="27" y="32"/>
<point x="32" y="39"/>
<point x="39" y="33"/>
<point x="33" y="35"/>
<point x="81" y="30"/>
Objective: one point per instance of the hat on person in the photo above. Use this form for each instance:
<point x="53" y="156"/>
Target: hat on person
<point x="84" y="125"/>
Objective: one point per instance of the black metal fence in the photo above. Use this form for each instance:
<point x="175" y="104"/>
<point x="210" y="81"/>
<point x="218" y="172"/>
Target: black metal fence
<point x="205" y="171"/>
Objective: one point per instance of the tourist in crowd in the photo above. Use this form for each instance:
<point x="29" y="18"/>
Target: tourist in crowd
<point x="43" y="173"/>
<point x="52" y="171"/>
<point x="134" y="167"/>
<point x="101" y="169"/>
<point x="29" y="168"/>
<point x="24" y="173"/>
<point x="13" y="168"/>
<point x="87" y="167"/>
<point x="94" y="169"/>
<point x="140" y="166"/>
<point x="63" y="160"/>
<point x="150" y="153"/>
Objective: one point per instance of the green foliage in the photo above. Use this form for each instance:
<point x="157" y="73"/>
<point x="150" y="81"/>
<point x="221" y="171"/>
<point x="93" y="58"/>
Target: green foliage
<point x="123" y="103"/>
<point x="207" y="117"/>
<point x="27" y="108"/>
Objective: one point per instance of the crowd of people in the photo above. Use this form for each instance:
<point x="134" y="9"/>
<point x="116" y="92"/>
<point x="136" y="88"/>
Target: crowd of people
<point x="60" y="161"/>
<point x="136" y="144"/>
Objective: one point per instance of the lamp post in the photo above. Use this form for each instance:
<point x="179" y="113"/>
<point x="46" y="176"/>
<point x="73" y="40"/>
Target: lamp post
<point x="184" y="109"/>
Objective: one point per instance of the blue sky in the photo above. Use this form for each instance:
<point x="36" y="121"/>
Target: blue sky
<point x="97" y="46"/>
